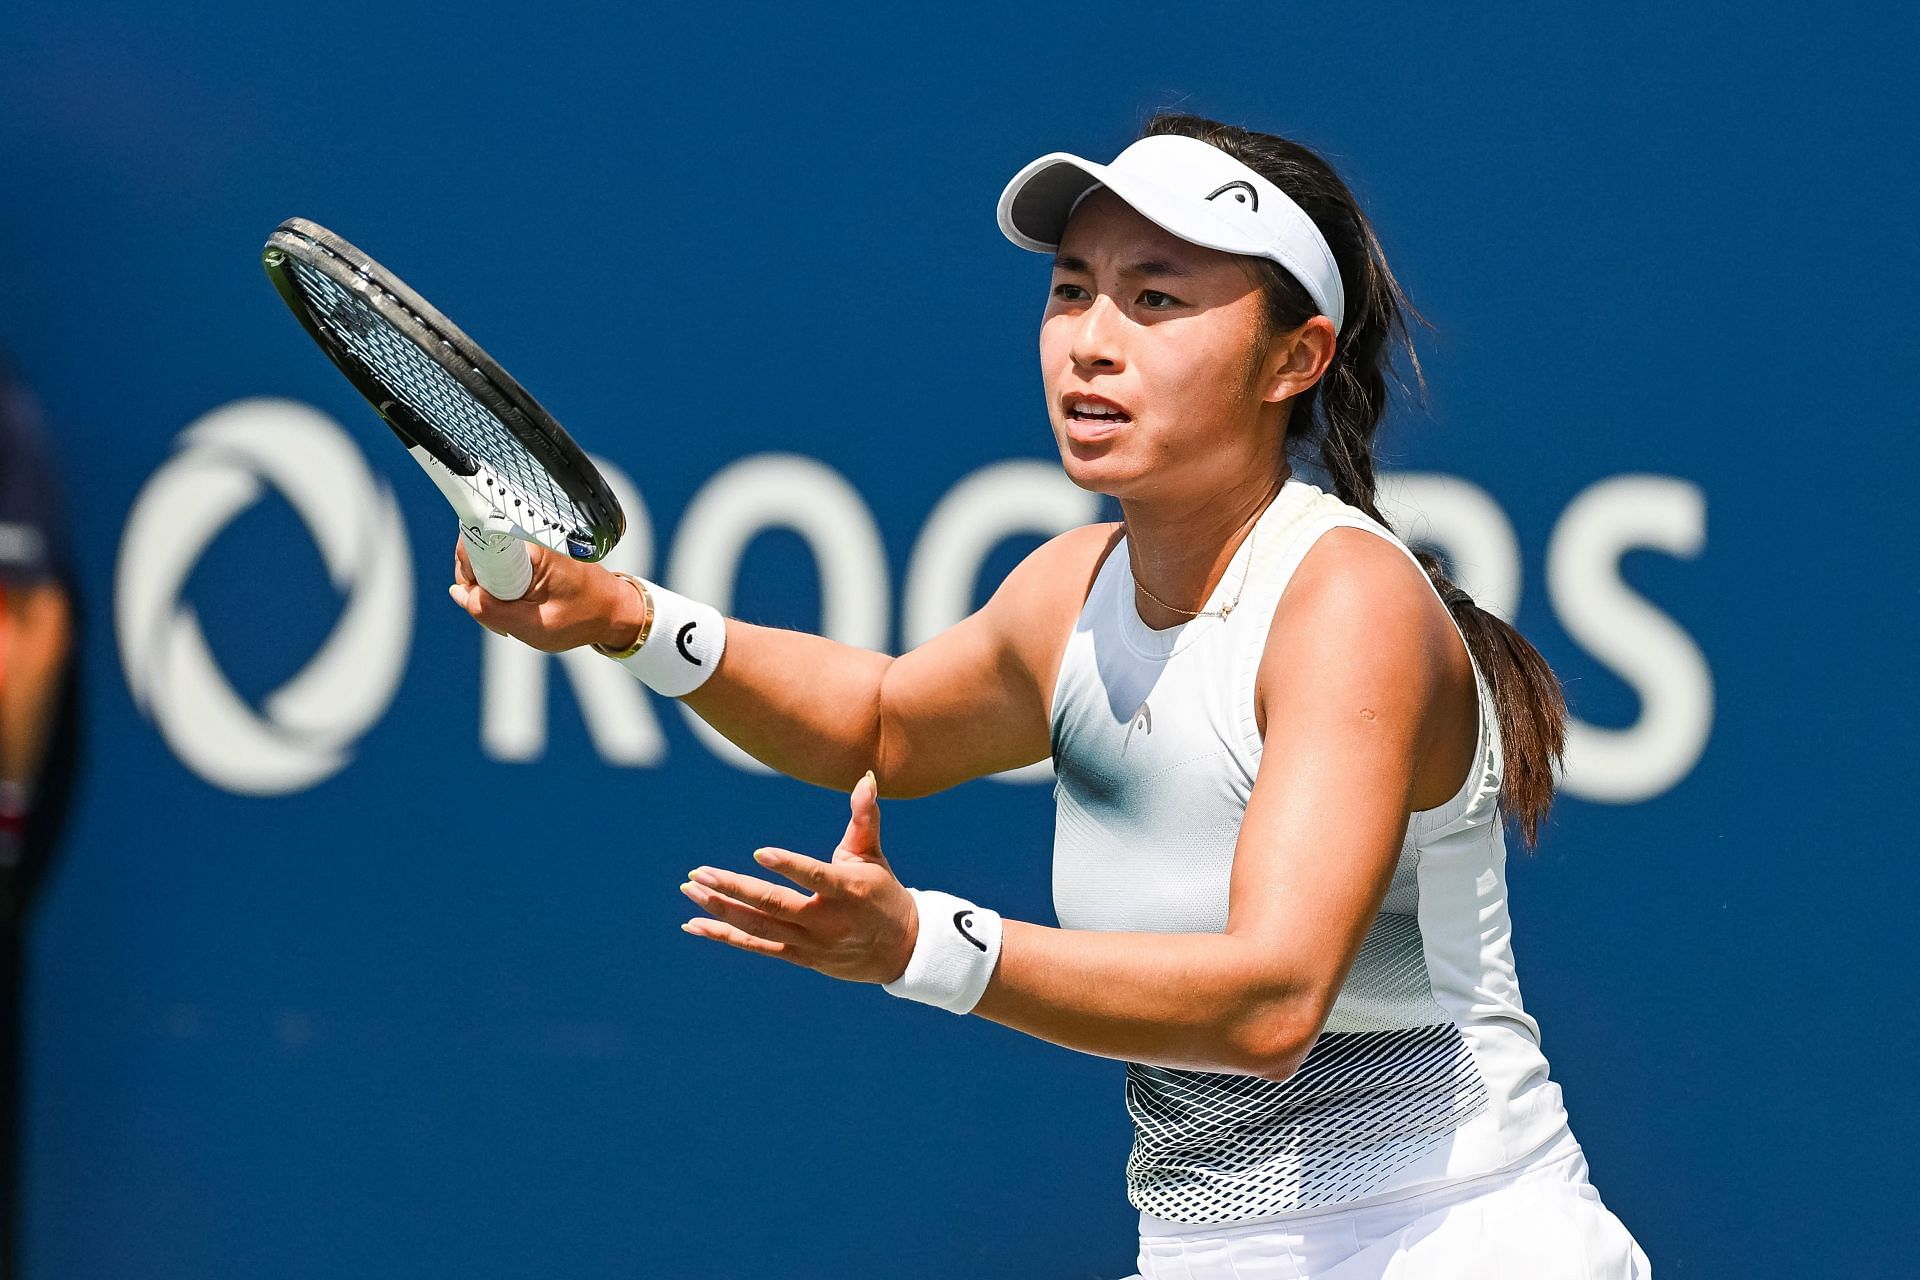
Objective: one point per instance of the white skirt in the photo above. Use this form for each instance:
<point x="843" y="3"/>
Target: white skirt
<point x="1543" y="1221"/>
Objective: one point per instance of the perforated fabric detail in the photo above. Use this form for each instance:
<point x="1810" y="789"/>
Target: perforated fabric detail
<point x="436" y="395"/>
<point x="1387" y="989"/>
<point x="1210" y="1147"/>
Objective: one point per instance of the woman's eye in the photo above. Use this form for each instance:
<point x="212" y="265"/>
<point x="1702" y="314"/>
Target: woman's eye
<point x="1155" y="300"/>
<point x="1069" y="292"/>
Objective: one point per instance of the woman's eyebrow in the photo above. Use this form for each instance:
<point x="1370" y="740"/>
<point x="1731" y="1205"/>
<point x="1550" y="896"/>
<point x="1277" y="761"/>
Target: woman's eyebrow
<point x="1150" y="267"/>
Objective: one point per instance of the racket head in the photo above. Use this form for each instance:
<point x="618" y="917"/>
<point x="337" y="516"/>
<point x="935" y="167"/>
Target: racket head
<point x="438" y="389"/>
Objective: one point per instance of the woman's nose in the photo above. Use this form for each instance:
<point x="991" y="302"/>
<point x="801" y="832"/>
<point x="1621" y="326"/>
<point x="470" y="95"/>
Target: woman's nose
<point x="1097" y="342"/>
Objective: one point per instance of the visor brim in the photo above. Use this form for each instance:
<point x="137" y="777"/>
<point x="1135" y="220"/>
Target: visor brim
<point x="1036" y="206"/>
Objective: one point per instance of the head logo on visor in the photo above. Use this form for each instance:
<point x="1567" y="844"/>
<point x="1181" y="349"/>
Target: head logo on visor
<point x="1189" y="188"/>
<point x="1242" y="191"/>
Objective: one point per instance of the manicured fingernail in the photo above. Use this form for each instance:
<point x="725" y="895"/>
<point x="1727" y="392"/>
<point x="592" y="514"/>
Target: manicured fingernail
<point x="690" y="889"/>
<point x="763" y="856"/>
<point x="700" y="875"/>
<point x="688" y="928"/>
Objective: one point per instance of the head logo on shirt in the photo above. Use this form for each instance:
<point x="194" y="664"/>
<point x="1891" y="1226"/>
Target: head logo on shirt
<point x="1143" y="721"/>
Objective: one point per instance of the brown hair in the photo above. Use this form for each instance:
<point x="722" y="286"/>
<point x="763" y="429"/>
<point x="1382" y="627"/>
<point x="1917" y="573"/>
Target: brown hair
<point x="1341" y="413"/>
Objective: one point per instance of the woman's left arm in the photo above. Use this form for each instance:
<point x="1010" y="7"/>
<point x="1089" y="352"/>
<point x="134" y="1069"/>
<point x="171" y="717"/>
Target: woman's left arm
<point x="1350" y="690"/>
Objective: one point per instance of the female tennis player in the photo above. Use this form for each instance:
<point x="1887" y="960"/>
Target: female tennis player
<point x="1284" y="748"/>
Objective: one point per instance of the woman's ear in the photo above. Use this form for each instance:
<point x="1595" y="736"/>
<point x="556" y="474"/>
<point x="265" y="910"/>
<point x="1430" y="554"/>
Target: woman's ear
<point x="1299" y="358"/>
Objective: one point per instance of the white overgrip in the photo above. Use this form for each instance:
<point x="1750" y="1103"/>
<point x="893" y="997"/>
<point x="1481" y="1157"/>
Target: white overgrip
<point x="500" y="562"/>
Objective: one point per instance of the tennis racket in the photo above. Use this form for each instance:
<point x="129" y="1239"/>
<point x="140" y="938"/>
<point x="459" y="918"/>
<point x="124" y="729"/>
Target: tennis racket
<point x="512" y="473"/>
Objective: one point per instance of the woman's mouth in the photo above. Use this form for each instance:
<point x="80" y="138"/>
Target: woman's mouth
<point x="1091" y="419"/>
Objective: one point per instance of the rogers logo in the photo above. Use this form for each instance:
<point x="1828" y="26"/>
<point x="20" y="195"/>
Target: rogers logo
<point x="303" y="732"/>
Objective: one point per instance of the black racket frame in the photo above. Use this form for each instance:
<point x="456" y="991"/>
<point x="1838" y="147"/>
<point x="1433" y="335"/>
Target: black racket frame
<point x="422" y="324"/>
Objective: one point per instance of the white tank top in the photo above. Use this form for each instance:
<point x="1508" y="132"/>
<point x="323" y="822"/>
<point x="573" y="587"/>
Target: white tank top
<point x="1428" y="1071"/>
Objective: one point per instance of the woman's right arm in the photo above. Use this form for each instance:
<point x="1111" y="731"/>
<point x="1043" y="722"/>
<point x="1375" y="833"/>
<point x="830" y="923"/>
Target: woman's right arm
<point x="973" y="700"/>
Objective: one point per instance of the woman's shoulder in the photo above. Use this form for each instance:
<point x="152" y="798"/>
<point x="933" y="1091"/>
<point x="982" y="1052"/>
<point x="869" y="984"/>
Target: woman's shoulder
<point x="1063" y="568"/>
<point x="1360" y="613"/>
<point x="1359" y="577"/>
<point x="1035" y="607"/>
<point x="1357" y="598"/>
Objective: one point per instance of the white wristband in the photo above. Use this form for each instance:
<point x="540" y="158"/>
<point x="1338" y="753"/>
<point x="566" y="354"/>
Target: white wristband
<point x="954" y="954"/>
<point x="683" y="644"/>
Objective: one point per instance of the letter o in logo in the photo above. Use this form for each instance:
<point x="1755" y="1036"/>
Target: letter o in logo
<point x="302" y="733"/>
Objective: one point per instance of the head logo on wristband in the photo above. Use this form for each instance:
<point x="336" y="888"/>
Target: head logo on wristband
<point x="950" y="968"/>
<point x="680" y="642"/>
<point x="961" y="919"/>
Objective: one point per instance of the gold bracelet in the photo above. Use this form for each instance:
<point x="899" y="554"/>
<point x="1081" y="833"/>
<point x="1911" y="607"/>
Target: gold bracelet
<point x="646" y="623"/>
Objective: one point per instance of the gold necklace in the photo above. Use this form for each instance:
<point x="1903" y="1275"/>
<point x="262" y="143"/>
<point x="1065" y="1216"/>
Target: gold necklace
<point x="1225" y="609"/>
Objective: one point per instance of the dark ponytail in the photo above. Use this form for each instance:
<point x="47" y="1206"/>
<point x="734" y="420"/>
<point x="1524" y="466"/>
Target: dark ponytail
<point x="1340" y="415"/>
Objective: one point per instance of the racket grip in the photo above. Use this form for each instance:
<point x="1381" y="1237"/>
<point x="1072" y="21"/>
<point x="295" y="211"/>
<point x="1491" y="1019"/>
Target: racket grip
<point x="500" y="562"/>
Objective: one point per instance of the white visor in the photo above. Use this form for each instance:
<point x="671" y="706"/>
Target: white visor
<point x="1196" y="191"/>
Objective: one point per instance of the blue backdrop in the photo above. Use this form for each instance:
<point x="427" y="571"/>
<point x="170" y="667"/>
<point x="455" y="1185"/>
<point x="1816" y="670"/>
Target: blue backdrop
<point x="382" y="976"/>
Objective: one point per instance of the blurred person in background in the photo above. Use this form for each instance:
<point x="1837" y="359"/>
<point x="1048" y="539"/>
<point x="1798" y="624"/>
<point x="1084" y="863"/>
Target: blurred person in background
<point x="37" y="733"/>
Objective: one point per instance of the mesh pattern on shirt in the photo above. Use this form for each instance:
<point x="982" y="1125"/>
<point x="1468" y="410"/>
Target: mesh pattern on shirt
<point x="1220" y="1148"/>
<point x="1388" y="988"/>
<point x="436" y="395"/>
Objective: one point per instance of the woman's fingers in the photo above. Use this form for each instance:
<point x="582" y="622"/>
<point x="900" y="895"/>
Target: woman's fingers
<point x="856" y="925"/>
<point x="558" y="611"/>
<point x="808" y="873"/>
<point x="462" y="567"/>
<point x="742" y="917"/>
<point x="862" y="838"/>
<point x="463" y="583"/>
<point x="477" y="603"/>
<point x="720" y="931"/>
<point x="468" y="593"/>
<point x="773" y="899"/>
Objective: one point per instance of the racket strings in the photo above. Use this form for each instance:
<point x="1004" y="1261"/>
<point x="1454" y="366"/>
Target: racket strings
<point x="416" y="379"/>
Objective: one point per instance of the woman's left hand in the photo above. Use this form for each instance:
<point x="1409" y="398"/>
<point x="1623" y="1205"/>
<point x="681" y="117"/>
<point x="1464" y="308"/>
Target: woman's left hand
<point x="855" y="920"/>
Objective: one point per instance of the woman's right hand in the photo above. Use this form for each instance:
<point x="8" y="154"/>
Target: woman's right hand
<point x="568" y="603"/>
